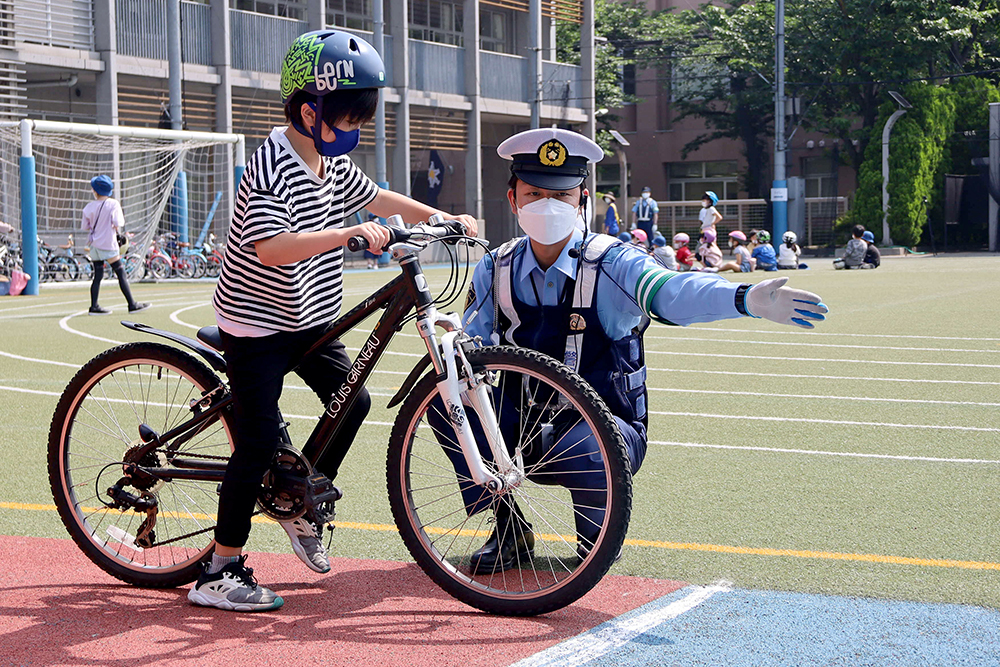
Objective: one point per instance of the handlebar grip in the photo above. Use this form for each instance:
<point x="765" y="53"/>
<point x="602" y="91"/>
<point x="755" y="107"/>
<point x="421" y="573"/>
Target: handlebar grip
<point x="356" y="243"/>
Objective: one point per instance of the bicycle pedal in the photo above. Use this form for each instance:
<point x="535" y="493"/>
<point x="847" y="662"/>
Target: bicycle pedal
<point x="320" y="489"/>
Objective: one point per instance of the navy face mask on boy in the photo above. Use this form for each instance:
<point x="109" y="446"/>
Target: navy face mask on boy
<point x="344" y="142"/>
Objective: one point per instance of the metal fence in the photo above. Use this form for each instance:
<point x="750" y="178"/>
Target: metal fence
<point x="142" y="30"/>
<point x="438" y="68"/>
<point x="682" y="216"/>
<point x="503" y="77"/>
<point x="258" y="42"/>
<point x="561" y="84"/>
<point x="64" y="23"/>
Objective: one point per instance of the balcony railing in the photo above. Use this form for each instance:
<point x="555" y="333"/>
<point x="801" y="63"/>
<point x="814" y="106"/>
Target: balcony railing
<point x="437" y="68"/>
<point x="142" y="30"/>
<point x="503" y="77"/>
<point x="259" y="42"/>
<point x="63" y="23"/>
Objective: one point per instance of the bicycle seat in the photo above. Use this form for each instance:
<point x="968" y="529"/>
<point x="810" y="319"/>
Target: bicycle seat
<point x="210" y="336"/>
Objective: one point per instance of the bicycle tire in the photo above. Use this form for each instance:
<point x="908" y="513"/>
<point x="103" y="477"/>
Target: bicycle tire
<point x="95" y="425"/>
<point x="159" y="268"/>
<point x="199" y="264"/>
<point x="214" y="266"/>
<point x="431" y="515"/>
<point x="135" y="268"/>
<point x="184" y="267"/>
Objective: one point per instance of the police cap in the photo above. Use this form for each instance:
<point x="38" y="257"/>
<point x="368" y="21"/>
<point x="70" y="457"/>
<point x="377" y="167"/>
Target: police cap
<point x="550" y="158"/>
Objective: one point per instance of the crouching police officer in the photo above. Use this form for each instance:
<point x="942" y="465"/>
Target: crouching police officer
<point x="586" y="299"/>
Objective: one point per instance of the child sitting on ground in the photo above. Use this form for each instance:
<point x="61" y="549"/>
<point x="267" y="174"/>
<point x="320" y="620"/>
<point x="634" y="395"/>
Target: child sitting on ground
<point x="873" y="258"/>
<point x="789" y="251"/>
<point x="762" y="251"/>
<point x="743" y="262"/>
<point x="685" y="259"/>
<point x="708" y="252"/>
<point x="854" y="253"/>
<point x="639" y="238"/>
<point x="663" y="254"/>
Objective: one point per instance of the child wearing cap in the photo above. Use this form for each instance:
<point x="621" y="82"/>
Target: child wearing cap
<point x="640" y="239"/>
<point x="763" y="252"/>
<point x="611" y="225"/>
<point x="663" y="253"/>
<point x="873" y="258"/>
<point x="709" y="215"/>
<point x="685" y="258"/>
<point x="743" y="262"/>
<point x="708" y="252"/>
<point x="104" y="220"/>
<point x="281" y="287"/>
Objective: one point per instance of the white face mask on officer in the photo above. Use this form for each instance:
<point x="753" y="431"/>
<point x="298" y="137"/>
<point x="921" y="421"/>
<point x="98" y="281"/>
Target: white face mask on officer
<point x="547" y="220"/>
<point x="645" y="195"/>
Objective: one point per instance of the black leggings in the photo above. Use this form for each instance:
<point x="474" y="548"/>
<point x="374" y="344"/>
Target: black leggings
<point x="256" y="368"/>
<point x="95" y="287"/>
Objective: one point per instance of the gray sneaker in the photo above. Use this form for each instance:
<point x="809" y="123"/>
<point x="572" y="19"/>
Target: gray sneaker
<point x="233" y="588"/>
<point x="307" y="543"/>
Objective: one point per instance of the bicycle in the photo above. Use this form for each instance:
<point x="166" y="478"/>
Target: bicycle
<point x="140" y="439"/>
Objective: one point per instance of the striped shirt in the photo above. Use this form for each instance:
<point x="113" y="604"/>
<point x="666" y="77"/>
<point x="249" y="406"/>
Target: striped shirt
<point x="279" y="193"/>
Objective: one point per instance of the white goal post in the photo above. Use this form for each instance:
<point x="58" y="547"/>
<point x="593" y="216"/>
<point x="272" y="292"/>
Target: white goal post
<point x="166" y="180"/>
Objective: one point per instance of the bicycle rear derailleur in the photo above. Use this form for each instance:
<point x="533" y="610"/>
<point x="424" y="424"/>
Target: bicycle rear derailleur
<point x="292" y="488"/>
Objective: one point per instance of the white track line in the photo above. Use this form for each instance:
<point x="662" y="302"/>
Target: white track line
<point x="832" y="361"/>
<point x="38" y="361"/>
<point x="793" y="332"/>
<point x="853" y="378"/>
<point x="822" y="397"/>
<point x="614" y="634"/>
<point x="814" y="452"/>
<point x="64" y="325"/>
<point x="800" y="420"/>
<point x="841" y="347"/>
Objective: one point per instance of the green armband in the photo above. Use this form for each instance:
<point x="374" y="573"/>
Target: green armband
<point x="649" y="283"/>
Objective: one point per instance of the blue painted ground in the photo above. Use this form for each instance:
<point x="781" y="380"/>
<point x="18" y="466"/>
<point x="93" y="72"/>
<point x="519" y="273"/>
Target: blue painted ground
<point x="760" y="628"/>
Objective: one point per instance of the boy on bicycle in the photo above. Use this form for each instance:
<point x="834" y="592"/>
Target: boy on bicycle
<point x="586" y="299"/>
<point x="281" y="287"/>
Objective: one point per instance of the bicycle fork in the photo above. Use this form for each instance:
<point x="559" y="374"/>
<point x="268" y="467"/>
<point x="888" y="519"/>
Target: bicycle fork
<point x="448" y="357"/>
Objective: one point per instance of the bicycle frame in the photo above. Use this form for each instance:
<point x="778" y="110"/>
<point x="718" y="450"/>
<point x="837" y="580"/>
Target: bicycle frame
<point x="398" y="298"/>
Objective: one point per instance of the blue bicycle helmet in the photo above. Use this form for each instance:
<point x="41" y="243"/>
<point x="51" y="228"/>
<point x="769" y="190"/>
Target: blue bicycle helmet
<point x="321" y="62"/>
<point x="625" y="237"/>
<point x="711" y="196"/>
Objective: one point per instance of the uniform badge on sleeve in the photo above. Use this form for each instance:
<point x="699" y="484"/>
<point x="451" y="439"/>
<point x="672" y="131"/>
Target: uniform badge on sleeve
<point x="576" y="322"/>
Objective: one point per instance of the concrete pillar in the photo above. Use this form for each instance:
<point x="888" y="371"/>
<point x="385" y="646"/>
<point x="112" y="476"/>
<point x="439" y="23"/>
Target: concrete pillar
<point x="535" y="61"/>
<point x="316" y="14"/>
<point x="474" y="151"/>
<point x="106" y="45"/>
<point x="222" y="61"/>
<point x="399" y="28"/>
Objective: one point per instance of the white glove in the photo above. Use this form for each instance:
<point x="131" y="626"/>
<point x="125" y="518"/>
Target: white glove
<point x="771" y="300"/>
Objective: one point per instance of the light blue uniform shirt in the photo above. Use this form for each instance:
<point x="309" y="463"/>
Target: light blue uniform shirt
<point x="680" y="298"/>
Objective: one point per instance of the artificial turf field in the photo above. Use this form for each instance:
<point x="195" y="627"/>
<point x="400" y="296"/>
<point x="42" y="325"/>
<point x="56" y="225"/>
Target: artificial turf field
<point x="860" y="459"/>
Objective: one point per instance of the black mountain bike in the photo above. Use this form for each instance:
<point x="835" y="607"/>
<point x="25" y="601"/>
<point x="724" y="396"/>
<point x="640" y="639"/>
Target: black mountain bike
<point x="141" y="436"/>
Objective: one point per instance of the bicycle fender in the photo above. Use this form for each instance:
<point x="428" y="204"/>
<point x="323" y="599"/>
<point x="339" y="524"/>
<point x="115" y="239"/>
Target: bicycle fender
<point x="214" y="359"/>
<point x="410" y="380"/>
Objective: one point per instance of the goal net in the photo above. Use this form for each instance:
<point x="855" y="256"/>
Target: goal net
<point x="165" y="180"/>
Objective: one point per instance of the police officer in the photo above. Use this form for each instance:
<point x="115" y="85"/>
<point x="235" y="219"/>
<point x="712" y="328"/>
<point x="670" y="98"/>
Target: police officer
<point x="586" y="299"/>
<point x="646" y="212"/>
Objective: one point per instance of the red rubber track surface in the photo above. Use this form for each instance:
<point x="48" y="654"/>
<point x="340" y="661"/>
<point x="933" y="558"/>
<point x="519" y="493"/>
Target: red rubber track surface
<point x="57" y="608"/>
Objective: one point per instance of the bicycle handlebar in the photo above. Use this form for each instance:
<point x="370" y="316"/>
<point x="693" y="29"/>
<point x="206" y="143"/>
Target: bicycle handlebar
<point x="419" y="232"/>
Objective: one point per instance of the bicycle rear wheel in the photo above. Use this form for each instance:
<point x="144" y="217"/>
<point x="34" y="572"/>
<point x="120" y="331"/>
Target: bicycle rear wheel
<point x="95" y="432"/>
<point x="534" y="395"/>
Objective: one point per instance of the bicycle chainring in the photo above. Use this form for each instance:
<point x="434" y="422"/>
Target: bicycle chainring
<point x="282" y="493"/>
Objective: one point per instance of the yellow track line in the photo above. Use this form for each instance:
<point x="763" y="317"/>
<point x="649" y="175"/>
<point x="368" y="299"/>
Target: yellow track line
<point x="656" y="544"/>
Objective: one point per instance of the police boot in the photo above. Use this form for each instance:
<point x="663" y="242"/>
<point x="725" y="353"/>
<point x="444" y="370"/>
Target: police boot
<point x="511" y="544"/>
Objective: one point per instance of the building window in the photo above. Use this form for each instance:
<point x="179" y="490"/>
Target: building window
<point x="820" y="174"/>
<point x="353" y="14"/>
<point x="495" y="32"/>
<point x="437" y="21"/>
<point x="688" y="181"/>
<point x="609" y="179"/>
<point x="289" y="9"/>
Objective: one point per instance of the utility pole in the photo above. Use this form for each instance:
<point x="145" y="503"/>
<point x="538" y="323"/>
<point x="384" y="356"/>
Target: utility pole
<point x="378" y="33"/>
<point x="779" y="188"/>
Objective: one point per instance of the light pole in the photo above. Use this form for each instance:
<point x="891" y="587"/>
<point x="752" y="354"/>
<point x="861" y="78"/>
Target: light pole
<point x="622" y="165"/>
<point x="779" y="187"/>
<point x="886" y="131"/>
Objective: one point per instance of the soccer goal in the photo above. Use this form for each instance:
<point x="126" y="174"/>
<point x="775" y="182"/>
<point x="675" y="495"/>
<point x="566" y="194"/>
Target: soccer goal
<point x="166" y="180"/>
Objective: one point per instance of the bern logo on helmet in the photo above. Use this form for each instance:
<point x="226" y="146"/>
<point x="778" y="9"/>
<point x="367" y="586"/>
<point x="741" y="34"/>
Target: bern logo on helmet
<point x="552" y="153"/>
<point x="298" y="68"/>
<point x="342" y="71"/>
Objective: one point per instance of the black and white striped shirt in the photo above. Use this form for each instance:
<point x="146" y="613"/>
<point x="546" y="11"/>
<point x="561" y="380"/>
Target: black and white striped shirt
<point x="279" y="193"/>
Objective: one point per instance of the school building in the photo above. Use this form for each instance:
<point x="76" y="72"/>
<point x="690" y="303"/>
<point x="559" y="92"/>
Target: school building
<point x="463" y="76"/>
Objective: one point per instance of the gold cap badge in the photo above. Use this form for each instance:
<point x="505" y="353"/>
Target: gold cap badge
<point x="552" y="153"/>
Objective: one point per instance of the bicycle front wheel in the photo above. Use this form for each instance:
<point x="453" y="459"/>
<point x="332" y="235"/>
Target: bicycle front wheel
<point x="573" y="495"/>
<point x="95" y="433"/>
